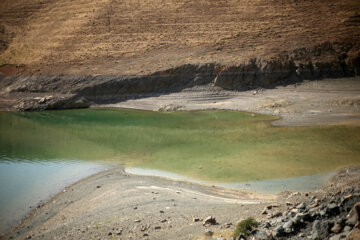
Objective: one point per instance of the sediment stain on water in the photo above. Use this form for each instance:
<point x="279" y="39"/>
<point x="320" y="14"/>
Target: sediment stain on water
<point x="220" y="146"/>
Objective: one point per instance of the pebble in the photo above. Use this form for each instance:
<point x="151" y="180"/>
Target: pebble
<point x="336" y="229"/>
<point x="209" y="233"/>
<point x="210" y="220"/>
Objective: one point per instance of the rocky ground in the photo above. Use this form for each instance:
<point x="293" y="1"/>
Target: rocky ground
<point x="332" y="216"/>
<point x="116" y="205"/>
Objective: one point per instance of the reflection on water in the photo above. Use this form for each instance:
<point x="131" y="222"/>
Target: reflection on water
<point x="25" y="183"/>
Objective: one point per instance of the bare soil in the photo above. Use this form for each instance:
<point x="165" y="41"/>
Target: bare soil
<point x="112" y="37"/>
<point x="327" y="101"/>
<point x="114" y="204"/>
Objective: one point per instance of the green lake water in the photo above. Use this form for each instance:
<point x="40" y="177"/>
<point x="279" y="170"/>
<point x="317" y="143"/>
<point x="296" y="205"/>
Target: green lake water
<point x="42" y="152"/>
<point x="221" y="146"/>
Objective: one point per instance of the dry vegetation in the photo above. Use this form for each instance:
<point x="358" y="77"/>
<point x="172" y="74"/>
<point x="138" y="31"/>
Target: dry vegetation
<point x="133" y="36"/>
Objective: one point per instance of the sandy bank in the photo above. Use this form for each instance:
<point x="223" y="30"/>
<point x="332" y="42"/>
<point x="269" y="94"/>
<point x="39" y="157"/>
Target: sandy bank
<point x="327" y="101"/>
<point x="114" y="204"/>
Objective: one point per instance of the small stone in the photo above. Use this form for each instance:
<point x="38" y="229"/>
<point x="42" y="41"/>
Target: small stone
<point x="242" y="236"/>
<point x="351" y="221"/>
<point x="98" y="186"/>
<point x="314" y="204"/>
<point x="196" y="219"/>
<point x="264" y="212"/>
<point x="288" y="227"/>
<point x="157" y="227"/>
<point x="261" y="235"/>
<point x="210" y="220"/>
<point x="110" y="233"/>
<point x="294" y="210"/>
<point x="289" y="204"/>
<point x="135" y="208"/>
<point x="297" y="219"/>
<point x="347" y="229"/>
<point x="137" y="220"/>
<point x="277" y="214"/>
<point x="209" y="233"/>
<point x="226" y="225"/>
<point x="279" y="231"/>
<point x="333" y="209"/>
<point x="301" y="206"/>
<point x="336" y="229"/>
<point x="145" y="235"/>
<point x="161" y="211"/>
<point x="348" y="196"/>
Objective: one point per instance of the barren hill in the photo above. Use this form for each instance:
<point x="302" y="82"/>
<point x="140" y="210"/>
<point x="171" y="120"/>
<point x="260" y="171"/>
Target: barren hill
<point x="310" y="38"/>
<point x="133" y="36"/>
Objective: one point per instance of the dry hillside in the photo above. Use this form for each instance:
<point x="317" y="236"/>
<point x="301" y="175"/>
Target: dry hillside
<point x="90" y="37"/>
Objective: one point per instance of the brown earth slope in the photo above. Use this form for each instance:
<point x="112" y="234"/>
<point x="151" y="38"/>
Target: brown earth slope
<point x="86" y="51"/>
<point x="132" y="37"/>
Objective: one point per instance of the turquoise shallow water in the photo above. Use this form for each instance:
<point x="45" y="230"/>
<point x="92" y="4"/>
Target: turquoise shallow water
<point x="25" y="183"/>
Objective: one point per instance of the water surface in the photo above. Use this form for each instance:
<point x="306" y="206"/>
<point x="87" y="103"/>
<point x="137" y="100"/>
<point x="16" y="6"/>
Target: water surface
<point x="37" y="150"/>
<point x="25" y="183"/>
<point x="217" y="146"/>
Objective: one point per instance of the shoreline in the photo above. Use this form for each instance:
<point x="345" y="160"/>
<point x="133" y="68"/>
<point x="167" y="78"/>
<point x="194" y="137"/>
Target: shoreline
<point x="267" y="186"/>
<point x="214" y="195"/>
<point x="281" y="102"/>
<point x="52" y="189"/>
<point x="309" y="103"/>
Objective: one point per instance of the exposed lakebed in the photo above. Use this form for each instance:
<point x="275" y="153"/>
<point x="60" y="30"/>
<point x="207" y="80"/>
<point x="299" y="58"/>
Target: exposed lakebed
<point x="215" y="146"/>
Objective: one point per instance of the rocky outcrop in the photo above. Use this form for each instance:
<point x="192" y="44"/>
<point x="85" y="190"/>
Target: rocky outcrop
<point x="333" y="217"/>
<point x="328" y="60"/>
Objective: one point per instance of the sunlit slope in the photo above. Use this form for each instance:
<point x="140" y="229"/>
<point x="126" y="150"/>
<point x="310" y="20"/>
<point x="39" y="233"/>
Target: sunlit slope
<point x="127" y="36"/>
